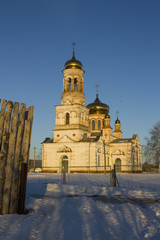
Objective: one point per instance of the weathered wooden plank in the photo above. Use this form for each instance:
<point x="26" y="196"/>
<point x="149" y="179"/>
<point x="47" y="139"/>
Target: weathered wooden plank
<point x="30" y="118"/>
<point x="10" y="160"/>
<point x="22" y="187"/>
<point x="2" y="118"/>
<point x="4" y="149"/>
<point x="25" y="154"/>
<point x="26" y="141"/>
<point x="15" y="176"/>
<point x="7" y="121"/>
<point x="2" y="157"/>
<point x="27" y="135"/>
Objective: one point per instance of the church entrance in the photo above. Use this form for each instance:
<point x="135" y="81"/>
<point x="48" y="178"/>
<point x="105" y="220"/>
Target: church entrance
<point x="118" y="165"/>
<point x="65" y="164"/>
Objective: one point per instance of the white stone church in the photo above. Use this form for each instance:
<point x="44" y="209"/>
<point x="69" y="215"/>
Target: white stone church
<point x="83" y="139"/>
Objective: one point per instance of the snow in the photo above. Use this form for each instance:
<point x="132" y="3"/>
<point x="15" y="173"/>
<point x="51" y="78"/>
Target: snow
<point x="87" y="208"/>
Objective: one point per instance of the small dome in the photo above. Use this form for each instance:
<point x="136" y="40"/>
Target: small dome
<point x="97" y="107"/>
<point x="73" y="63"/>
<point x="108" y="117"/>
<point x="117" y="121"/>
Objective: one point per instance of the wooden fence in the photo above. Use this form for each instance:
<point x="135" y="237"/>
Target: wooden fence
<point x="15" y="137"/>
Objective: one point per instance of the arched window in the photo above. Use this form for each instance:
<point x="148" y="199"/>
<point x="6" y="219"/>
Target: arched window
<point x="67" y="118"/>
<point x="80" y="85"/>
<point x="75" y="84"/>
<point x="103" y="122"/>
<point x="93" y="124"/>
<point x="118" y="165"/>
<point x="99" y="124"/>
<point x="69" y="84"/>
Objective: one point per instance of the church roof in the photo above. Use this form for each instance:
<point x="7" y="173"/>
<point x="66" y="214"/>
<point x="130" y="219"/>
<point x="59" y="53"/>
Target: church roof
<point x="97" y="107"/>
<point x="92" y="138"/>
<point x="48" y="140"/>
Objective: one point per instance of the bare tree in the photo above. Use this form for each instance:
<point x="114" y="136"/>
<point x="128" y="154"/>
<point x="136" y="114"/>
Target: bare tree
<point x="152" y="147"/>
<point x="39" y="155"/>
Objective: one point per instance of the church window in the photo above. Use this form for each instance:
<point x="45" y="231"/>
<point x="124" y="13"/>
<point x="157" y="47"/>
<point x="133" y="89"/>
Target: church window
<point x="67" y="118"/>
<point x="99" y="124"/>
<point x="74" y="134"/>
<point x="93" y="124"/>
<point x="80" y="85"/>
<point x="137" y="158"/>
<point x="75" y="84"/>
<point x="103" y="122"/>
<point x="69" y="81"/>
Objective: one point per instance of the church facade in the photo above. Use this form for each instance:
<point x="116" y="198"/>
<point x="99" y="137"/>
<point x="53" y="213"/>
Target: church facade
<point x="83" y="139"/>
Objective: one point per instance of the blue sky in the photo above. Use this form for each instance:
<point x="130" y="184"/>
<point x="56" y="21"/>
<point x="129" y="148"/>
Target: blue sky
<point x="117" y="41"/>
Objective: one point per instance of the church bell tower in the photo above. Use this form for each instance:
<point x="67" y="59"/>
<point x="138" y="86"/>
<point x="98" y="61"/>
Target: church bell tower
<point x="73" y="82"/>
<point x="72" y="114"/>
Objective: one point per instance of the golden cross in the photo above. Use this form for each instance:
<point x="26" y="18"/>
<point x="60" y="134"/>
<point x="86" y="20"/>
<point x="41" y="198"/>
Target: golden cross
<point x="117" y="114"/>
<point x="97" y="86"/>
<point x="73" y="44"/>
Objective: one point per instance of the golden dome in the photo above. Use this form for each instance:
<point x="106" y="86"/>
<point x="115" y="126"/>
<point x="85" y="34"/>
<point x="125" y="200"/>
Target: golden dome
<point x="73" y="63"/>
<point x="97" y="107"/>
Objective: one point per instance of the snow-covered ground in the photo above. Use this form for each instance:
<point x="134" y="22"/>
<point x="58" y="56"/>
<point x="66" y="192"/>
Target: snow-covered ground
<point x="87" y="208"/>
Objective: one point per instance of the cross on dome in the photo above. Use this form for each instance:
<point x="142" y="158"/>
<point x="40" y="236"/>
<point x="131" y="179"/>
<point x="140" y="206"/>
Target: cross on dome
<point x="73" y="44"/>
<point x="97" y="86"/>
<point x="117" y="114"/>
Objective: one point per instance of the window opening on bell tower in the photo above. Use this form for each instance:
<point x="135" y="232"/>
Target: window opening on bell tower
<point x="99" y="124"/>
<point x="67" y="118"/>
<point x="69" y="84"/>
<point x="75" y="84"/>
<point x="93" y="124"/>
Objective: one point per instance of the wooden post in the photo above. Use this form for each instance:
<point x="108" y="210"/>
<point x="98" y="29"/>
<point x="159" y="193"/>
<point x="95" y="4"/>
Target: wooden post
<point x="4" y="149"/>
<point x="113" y="177"/>
<point x="30" y="118"/>
<point x="2" y="118"/>
<point x="15" y="176"/>
<point x="10" y="160"/>
<point x="24" y="165"/>
<point x="3" y="158"/>
<point x="1" y="179"/>
<point x="34" y="158"/>
<point x="63" y="175"/>
<point x="22" y="187"/>
<point x="15" y="137"/>
<point x="27" y="135"/>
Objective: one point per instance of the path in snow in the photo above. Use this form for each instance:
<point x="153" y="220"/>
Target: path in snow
<point x="55" y="216"/>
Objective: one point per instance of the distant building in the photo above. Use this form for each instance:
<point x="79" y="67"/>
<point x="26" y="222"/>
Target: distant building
<point x="38" y="163"/>
<point x="83" y="137"/>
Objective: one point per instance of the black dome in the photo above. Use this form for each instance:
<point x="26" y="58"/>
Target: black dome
<point x="98" y="107"/>
<point x="117" y="121"/>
